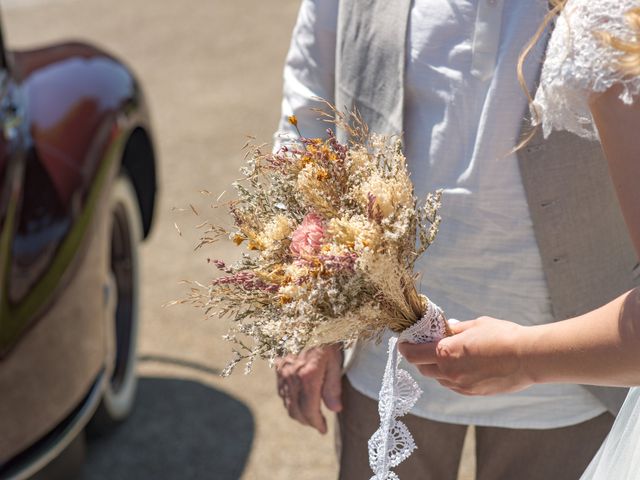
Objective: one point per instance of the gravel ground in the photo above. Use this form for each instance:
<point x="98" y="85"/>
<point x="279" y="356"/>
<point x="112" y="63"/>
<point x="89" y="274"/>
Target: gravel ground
<point x="212" y="73"/>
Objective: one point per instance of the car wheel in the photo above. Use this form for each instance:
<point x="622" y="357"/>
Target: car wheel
<point x="123" y="315"/>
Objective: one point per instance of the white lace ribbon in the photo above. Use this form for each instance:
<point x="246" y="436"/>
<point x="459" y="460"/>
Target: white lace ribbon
<point x="392" y="442"/>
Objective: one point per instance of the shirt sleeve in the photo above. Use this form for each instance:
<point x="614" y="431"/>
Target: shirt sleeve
<point x="309" y="68"/>
<point x="579" y="62"/>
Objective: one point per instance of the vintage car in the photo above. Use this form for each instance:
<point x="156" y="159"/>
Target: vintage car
<point x="77" y="194"/>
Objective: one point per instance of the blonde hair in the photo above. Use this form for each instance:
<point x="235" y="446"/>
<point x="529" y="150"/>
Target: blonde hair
<point x="628" y="63"/>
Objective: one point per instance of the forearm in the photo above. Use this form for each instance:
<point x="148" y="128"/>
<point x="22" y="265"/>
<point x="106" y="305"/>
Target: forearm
<point x="601" y="347"/>
<point x="617" y="125"/>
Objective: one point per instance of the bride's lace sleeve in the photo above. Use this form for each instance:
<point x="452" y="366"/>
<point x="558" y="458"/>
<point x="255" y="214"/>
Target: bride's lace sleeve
<point x="578" y="62"/>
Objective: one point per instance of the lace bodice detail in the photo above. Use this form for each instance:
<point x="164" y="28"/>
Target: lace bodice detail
<point x="579" y="63"/>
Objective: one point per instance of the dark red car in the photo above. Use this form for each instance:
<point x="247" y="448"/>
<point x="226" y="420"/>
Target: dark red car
<point x="77" y="193"/>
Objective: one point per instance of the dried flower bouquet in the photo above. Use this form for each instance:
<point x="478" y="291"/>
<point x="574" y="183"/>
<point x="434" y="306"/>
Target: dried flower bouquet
<point x="332" y="233"/>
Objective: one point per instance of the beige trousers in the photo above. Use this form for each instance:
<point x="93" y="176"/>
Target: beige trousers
<point x="501" y="453"/>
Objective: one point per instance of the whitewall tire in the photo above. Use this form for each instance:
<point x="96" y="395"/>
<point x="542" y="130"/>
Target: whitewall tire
<point x="125" y="229"/>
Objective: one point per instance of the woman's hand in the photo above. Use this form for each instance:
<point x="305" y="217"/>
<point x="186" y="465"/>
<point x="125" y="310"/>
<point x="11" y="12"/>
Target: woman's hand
<point x="481" y="358"/>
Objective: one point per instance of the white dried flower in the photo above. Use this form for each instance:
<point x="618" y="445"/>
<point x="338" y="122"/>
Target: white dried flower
<point x="279" y="228"/>
<point x="387" y="195"/>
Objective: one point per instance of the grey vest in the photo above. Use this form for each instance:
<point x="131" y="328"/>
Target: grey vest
<point x="587" y="255"/>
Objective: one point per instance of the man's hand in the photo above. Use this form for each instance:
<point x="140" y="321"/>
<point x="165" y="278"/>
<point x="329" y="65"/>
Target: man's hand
<point x="306" y="379"/>
<point x="481" y="358"/>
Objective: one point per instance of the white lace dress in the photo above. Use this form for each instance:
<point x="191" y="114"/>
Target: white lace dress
<point x="578" y="63"/>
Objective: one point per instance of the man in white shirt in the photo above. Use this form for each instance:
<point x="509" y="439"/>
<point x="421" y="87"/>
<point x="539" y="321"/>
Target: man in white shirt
<point x="462" y="114"/>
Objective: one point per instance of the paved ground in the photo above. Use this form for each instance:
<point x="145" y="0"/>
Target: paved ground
<point x="212" y="71"/>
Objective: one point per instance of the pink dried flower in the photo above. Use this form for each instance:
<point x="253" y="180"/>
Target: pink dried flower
<point x="339" y="148"/>
<point x="220" y="265"/>
<point x="247" y="281"/>
<point x="373" y="209"/>
<point x="340" y="263"/>
<point x="307" y="238"/>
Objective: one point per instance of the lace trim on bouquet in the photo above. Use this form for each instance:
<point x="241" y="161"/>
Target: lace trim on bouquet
<point x="392" y="443"/>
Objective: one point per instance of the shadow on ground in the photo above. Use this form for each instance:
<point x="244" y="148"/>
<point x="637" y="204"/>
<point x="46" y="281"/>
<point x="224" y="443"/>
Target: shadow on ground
<point x="181" y="430"/>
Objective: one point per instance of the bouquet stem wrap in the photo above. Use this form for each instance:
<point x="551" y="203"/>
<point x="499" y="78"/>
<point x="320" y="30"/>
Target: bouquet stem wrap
<point x="392" y="443"/>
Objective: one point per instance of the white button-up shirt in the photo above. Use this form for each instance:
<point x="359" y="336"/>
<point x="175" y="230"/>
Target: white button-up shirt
<point x="463" y="111"/>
